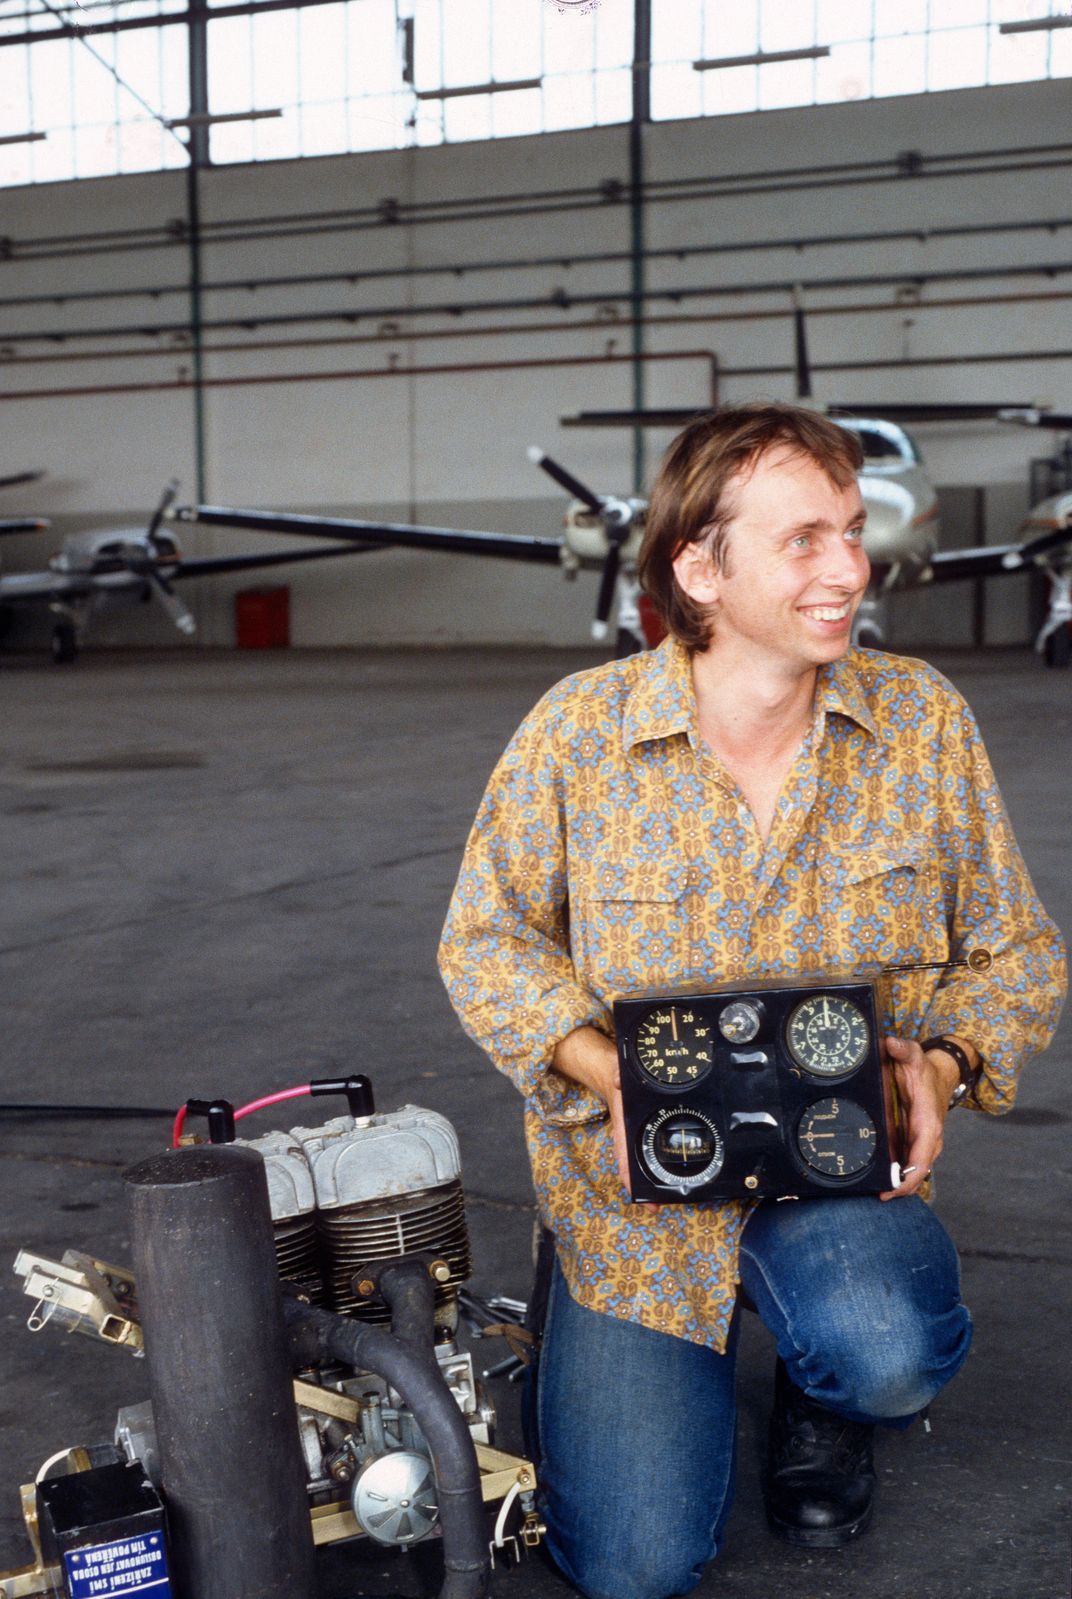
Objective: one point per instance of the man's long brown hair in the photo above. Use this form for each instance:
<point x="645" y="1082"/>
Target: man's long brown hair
<point x="690" y="500"/>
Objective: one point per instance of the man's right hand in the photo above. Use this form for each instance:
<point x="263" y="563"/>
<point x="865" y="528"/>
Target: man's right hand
<point x="590" y="1058"/>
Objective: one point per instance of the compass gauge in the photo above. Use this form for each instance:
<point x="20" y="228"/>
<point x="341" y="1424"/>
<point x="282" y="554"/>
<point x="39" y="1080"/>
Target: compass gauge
<point x="682" y="1148"/>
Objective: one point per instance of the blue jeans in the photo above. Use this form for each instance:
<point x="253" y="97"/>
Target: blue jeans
<point x="636" y="1430"/>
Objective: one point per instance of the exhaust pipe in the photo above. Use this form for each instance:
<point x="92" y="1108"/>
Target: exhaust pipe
<point x="219" y="1375"/>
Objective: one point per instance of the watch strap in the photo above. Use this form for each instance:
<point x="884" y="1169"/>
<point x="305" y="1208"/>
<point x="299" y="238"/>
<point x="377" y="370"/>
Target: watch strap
<point x="969" y="1074"/>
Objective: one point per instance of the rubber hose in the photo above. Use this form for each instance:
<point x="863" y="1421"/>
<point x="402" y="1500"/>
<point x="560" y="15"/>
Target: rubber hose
<point x="414" y="1373"/>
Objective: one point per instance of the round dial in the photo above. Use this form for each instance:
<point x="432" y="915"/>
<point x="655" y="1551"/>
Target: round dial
<point x="682" y="1148"/>
<point x="740" y="1021"/>
<point x="673" y="1045"/>
<point x="827" y="1035"/>
<point x="836" y="1137"/>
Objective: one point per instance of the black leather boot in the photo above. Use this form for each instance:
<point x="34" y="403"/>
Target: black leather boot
<point x="820" y="1472"/>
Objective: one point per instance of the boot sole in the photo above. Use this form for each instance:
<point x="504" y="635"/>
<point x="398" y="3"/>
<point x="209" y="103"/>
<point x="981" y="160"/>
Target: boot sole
<point x="822" y="1537"/>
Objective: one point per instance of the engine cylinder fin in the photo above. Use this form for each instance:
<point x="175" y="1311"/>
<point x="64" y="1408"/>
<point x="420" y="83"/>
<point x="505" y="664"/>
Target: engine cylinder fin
<point x="352" y="1236"/>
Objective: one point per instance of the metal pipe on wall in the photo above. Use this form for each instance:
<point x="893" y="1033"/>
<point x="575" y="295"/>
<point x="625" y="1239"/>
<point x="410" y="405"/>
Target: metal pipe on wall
<point x="610" y="192"/>
<point x="558" y="300"/>
<point x="445" y="369"/>
<point x="399" y="335"/>
<point x="459" y="269"/>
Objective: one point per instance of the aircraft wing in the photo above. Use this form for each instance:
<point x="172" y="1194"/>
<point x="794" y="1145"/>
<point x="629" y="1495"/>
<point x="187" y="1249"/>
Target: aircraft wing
<point x="380" y="535"/>
<point x="44" y="585"/>
<point x="996" y="560"/>
<point x="52" y="585"/>
<point x="672" y="416"/>
<point x="249" y="563"/>
<point x="23" y="524"/>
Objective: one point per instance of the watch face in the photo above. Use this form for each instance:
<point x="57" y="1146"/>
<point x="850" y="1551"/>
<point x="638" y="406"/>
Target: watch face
<point x="836" y="1138"/>
<point x="827" y="1035"/>
<point x="673" y="1045"/>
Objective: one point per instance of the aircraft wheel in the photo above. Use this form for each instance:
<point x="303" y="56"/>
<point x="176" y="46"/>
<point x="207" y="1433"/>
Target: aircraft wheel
<point x="1058" y="647"/>
<point x="64" y="644"/>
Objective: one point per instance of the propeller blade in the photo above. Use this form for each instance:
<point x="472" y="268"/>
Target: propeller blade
<point x="608" y="582"/>
<point x="800" y="341"/>
<point x="162" y="509"/>
<point x="176" y="609"/>
<point x="566" y="480"/>
<point x="18" y="478"/>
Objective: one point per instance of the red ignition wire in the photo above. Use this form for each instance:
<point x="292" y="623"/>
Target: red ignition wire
<point x="244" y="1110"/>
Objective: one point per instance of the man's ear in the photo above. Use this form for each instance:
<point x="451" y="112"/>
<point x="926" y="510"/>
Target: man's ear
<point x="696" y="573"/>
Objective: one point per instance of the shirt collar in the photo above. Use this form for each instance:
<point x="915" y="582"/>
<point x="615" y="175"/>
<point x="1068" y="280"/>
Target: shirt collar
<point x="840" y="689"/>
<point x="663" y="703"/>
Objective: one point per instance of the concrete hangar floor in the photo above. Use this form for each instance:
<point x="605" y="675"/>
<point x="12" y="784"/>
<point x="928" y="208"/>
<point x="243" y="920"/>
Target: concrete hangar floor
<point x="226" y="873"/>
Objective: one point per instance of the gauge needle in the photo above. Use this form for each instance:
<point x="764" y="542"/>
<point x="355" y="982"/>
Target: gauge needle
<point x="826" y="1012"/>
<point x="673" y="1024"/>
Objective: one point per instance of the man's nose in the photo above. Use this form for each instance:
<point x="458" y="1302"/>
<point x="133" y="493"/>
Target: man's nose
<point x="846" y="566"/>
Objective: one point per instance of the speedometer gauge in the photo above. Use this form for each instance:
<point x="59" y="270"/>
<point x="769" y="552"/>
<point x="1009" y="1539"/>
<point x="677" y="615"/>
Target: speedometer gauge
<point x="673" y="1045"/>
<point x="827" y="1035"/>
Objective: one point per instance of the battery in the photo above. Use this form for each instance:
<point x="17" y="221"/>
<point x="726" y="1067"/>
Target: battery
<point x="104" y="1529"/>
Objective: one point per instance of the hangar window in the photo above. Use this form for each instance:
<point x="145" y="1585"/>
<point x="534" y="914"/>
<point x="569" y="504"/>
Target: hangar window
<point x="330" y="76"/>
<point x="81" y="108"/>
<point x="386" y="74"/>
<point x="714" y="59"/>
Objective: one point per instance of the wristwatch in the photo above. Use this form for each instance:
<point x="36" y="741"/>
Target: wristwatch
<point x="969" y="1075"/>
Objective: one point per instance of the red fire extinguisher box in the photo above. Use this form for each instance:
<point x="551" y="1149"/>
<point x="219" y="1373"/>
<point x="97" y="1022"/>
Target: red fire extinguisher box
<point x="262" y="618"/>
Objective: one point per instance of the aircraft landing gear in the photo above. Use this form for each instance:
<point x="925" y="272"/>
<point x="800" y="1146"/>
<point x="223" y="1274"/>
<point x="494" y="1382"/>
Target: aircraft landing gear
<point x="1054" y="643"/>
<point x="64" y="643"/>
<point x="1057" y="650"/>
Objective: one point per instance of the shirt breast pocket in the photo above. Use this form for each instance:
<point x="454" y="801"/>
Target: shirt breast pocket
<point x="629" y="926"/>
<point x="883" y="905"/>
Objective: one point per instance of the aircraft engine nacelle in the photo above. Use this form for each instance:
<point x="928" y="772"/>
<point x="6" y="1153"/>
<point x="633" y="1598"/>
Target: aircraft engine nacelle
<point x="586" y="536"/>
<point x="900" y="530"/>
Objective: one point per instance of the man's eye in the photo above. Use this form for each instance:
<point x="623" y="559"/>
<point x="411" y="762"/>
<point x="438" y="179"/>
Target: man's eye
<point x="855" y="535"/>
<point x="801" y="541"/>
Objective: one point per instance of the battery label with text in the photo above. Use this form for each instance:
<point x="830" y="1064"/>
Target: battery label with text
<point x="128" y="1566"/>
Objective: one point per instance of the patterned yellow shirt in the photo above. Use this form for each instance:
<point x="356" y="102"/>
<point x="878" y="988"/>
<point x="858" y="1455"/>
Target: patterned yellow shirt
<point x="613" y="853"/>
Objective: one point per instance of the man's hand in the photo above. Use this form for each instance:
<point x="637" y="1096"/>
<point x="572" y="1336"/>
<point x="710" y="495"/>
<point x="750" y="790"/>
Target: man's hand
<point x="924" y="1084"/>
<point x="590" y="1058"/>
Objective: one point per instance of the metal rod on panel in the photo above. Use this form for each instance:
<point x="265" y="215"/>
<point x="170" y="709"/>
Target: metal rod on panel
<point x="197" y="137"/>
<point x="641" y="115"/>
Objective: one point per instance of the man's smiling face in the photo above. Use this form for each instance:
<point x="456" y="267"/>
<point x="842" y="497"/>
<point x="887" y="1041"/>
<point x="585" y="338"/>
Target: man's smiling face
<point x="793" y="570"/>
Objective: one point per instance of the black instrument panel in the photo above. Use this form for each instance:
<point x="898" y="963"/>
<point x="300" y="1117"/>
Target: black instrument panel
<point x="765" y="1091"/>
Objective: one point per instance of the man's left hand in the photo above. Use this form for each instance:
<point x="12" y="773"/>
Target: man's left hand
<point x="924" y="1084"/>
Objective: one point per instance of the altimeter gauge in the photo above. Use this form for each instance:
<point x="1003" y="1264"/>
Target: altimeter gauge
<point x="681" y="1148"/>
<point x="827" y="1035"/>
<point x="673" y="1045"/>
<point x="836" y="1138"/>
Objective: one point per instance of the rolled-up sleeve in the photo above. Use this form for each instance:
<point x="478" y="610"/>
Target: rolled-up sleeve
<point x="505" y="951"/>
<point x="1010" y="1011"/>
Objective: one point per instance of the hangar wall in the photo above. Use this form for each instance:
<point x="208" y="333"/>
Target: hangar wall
<point x="386" y="333"/>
